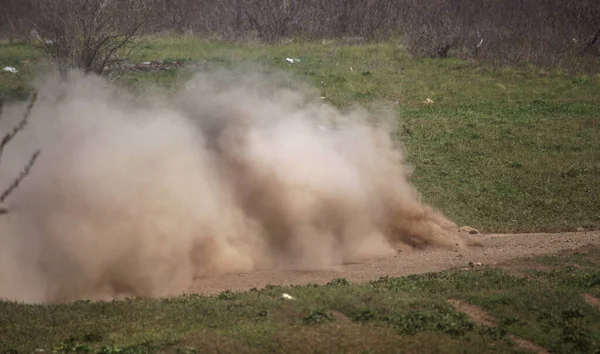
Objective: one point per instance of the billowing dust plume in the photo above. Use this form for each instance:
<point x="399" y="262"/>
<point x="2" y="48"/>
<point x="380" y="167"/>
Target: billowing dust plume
<point x="138" y="194"/>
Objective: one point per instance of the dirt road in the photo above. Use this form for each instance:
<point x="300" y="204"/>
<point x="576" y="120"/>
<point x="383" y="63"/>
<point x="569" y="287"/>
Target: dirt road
<point x="495" y="249"/>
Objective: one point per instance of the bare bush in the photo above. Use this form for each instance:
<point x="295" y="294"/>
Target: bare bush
<point x="88" y="34"/>
<point x="543" y="32"/>
<point x="14" y="19"/>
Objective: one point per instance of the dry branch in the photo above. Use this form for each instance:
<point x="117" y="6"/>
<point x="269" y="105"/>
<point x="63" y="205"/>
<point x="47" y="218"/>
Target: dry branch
<point x="8" y="137"/>
<point x="90" y="35"/>
<point x="22" y="123"/>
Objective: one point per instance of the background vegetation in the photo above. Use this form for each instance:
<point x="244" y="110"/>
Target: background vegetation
<point x="549" y="33"/>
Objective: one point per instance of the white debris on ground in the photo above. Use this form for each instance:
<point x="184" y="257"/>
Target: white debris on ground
<point x="287" y="296"/>
<point x="10" y="69"/>
<point x="292" y="60"/>
<point x="428" y="100"/>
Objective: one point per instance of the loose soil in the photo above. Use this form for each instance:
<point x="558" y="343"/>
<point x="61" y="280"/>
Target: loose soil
<point x="592" y="300"/>
<point x="495" y="248"/>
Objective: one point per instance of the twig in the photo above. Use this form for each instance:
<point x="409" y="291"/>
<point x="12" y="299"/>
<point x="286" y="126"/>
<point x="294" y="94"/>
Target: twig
<point x="591" y="43"/>
<point x="5" y="140"/>
<point x="9" y="136"/>
<point x="480" y="40"/>
<point x="18" y="180"/>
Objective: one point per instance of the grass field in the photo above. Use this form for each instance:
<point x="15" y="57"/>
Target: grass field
<point x="500" y="149"/>
<point x="539" y="300"/>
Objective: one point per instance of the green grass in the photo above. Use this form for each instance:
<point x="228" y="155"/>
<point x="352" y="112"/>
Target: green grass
<point x="25" y="59"/>
<point x="500" y="149"/>
<point x="531" y="299"/>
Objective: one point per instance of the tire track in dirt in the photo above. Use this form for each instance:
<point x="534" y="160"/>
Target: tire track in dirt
<point x="496" y="248"/>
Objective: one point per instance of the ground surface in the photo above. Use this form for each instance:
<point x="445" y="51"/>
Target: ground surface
<point x="546" y="303"/>
<point x="496" y="248"/>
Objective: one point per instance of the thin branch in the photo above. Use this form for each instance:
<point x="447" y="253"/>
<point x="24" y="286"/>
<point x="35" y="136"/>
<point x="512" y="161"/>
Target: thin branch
<point x="22" y="123"/>
<point x="7" y="138"/>
<point x="24" y="173"/>
<point x="591" y="43"/>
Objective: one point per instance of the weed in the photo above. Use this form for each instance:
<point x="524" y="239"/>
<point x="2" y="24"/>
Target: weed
<point x="318" y="317"/>
<point x="339" y="282"/>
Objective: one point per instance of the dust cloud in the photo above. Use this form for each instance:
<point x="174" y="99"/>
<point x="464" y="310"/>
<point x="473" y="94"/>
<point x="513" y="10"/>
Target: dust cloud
<point x="138" y="194"/>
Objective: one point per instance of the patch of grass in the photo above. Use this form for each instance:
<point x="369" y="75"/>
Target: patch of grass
<point x="340" y="282"/>
<point x="511" y="168"/>
<point x="317" y="317"/>
<point x="407" y="314"/>
<point x="581" y="258"/>
<point x="499" y="149"/>
<point x="22" y="57"/>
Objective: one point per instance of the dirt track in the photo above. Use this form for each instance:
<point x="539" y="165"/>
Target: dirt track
<point x="495" y="249"/>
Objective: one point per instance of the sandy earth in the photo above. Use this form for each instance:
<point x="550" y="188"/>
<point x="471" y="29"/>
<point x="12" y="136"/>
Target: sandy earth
<point x="495" y="249"/>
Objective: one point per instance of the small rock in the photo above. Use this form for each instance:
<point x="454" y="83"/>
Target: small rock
<point x="428" y="100"/>
<point x="469" y="229"/>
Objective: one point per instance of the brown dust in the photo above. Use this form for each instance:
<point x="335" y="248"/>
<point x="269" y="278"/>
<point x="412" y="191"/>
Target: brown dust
<point x="138" y="194"/>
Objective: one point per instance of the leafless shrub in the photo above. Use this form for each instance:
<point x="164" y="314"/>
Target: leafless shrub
<point x="88" y="34"/>
<point x="272" y="19"/>
<point x="431" y="29"/>
<point x="6" y="139"/>
<point x="543" y="32"/>
<point x="14" y="19"/>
